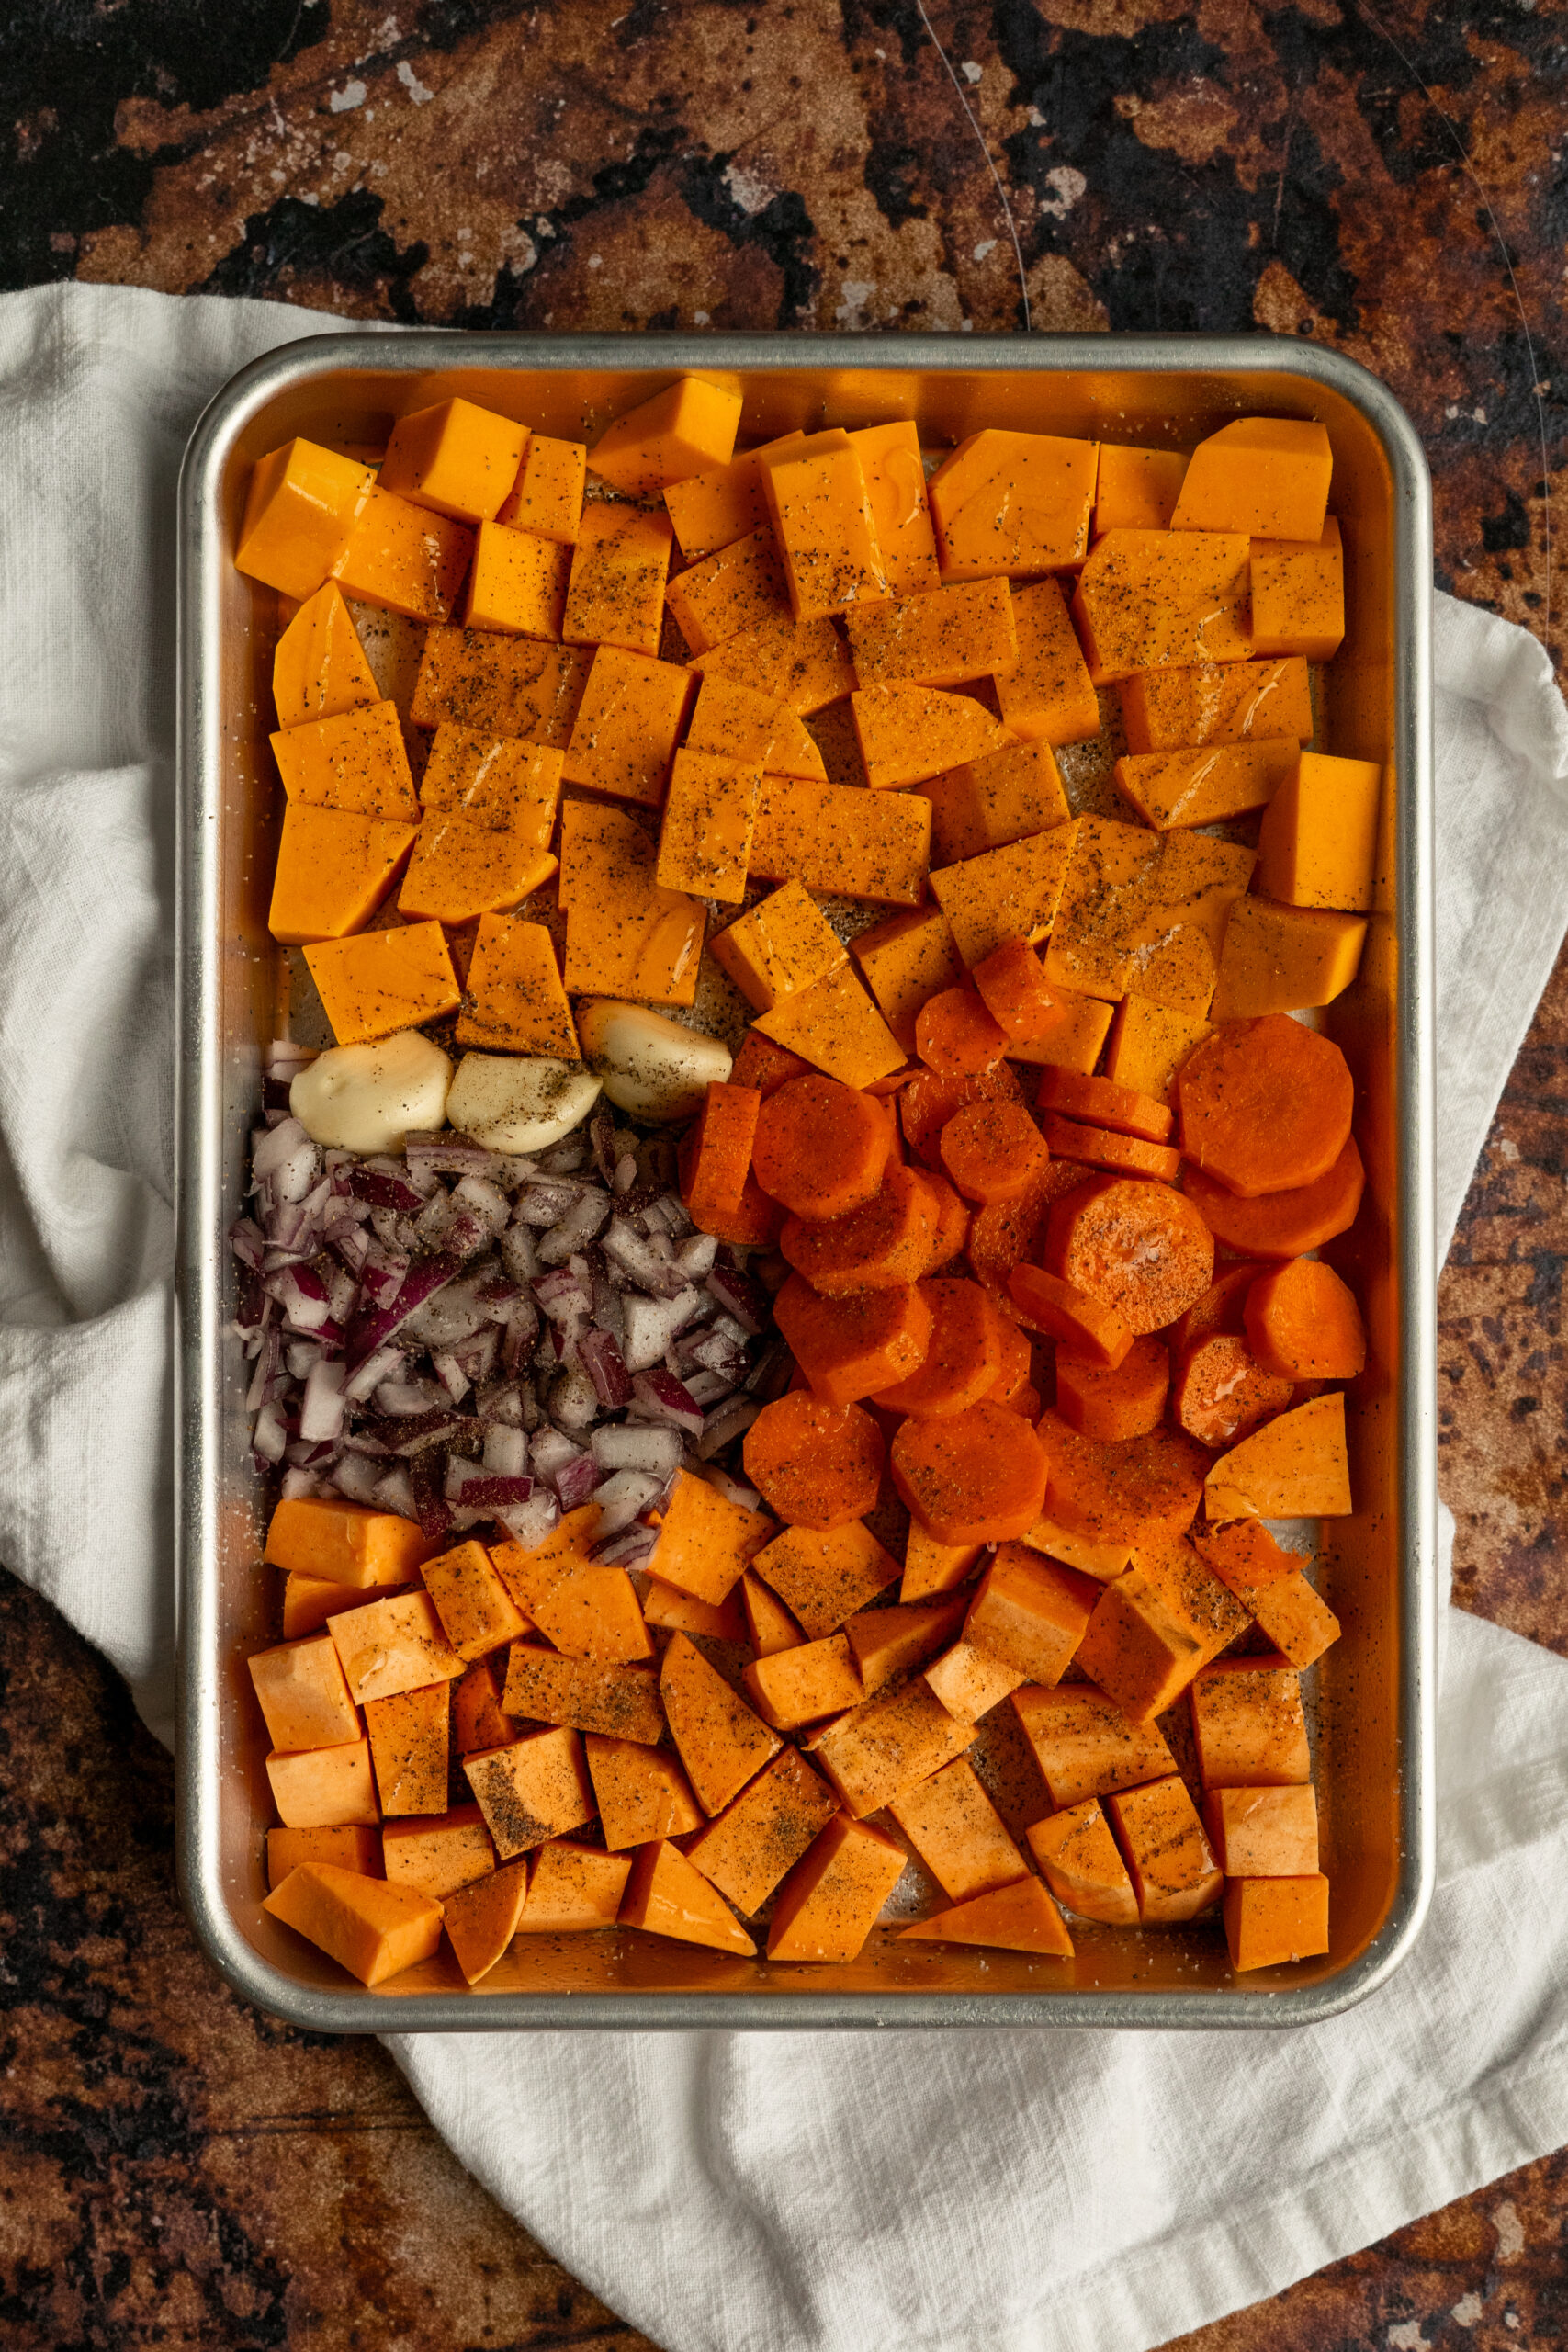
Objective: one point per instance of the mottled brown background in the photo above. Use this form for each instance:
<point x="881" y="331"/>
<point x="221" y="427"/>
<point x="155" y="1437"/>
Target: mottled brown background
<point x="1392" y="180"/>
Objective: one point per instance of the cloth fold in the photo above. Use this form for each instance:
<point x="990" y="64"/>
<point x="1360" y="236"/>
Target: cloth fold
<point x="771" y="2193"/>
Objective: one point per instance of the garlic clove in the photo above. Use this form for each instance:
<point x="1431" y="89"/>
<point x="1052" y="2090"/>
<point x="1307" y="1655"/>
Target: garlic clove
<point x="516" y="1103"/>
<point x="365" y="1098"/>
<point x="651" y="1068"/>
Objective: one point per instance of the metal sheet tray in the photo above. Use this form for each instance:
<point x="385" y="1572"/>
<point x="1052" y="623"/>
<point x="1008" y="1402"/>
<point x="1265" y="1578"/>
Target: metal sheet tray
<point x="1374" y="1698"/>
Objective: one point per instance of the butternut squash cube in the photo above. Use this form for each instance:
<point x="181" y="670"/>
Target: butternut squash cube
<point x="465" y="865"/>
<point x="1169" y="1859"/>
<point x="355" y="761"/>
<point x="801" y="1685"/>
<point x="1080" y="1863"/>
<point x="626" y="935"/>
<point x="824" y="1578"/>
<point x="1317" y="845"/>
<point x="905" y="960"/>
<point x="1249" y="1725"/>
<point x="804" y="663"/>
<point x="393" y="1644"/>
<point x="529" y="1575"/>
<point x="686" y="429"/>
<point x="531" y="1790"/>
<point x="958" y="1833"/>
<point x="667" y="1897"/>
<point x="641" y="1793"/>
<point x="1237" y="702"/>
<point x="372" y="1929"/>
<point x="1030" y="1612"/>
<point x="1295" y="1466"/>
<point x="943" y="638"/>
<point x="482" y="1918"/>
<point x="353" y="1846"/>
<point x="440" y="1855"/>
<point x="1146" y="599"/>
<point x="304" y="1698"/>
<point x="769" y="1625"/>
<point x="704" y="842"/>
<point x="1150" y="1042"/>
<point x="969" y="1682"/>
<point x="828" y="1904"/>
<point x="318" y="668"/>
<point x="499" y="685"/>
<point x="747" y="1849"/>
<point x="334" y="870"/>
<point x="477" y="1720"/>
<point x="1086" y="1746"/>
<point x="1270" y="1920"/>
<point x="720" y="1742"/>
<point x="477" y="1612"/>
<point x="834" y="1026"/>
<point x="592" y="1611"/>
<point x="839" y="839"/>
<point x="1205" y="786"/>
<point x="1156" y="1627"/>
<point x="736" y="723"/>
<point x="1137" y="489"/>
<point x="547" y="497"/>
<point x="1269" y="1581"/>
<point x="513" y="1002"/>
<point x="823" y="524"/>
<point x="1008" y="893"/>
<point x="404" y="558"/>
<point x="1298" y="595"/>
<point x="621" y="1700"/>
<point x="1266" y="475"/>
<point x="706" y="1541"/>
<point x="1013" y="502"/>
<point x="985" y="804"/>
<point x="779" y="946"/>
<point x="574" y="1889"/>
<point x="384" y="980"/>
<point x="908" y="734"/>
<point x="322" y="1788"/>
<point x="300" y="508"/>
<point x="1047" y="696"/>
<point x="712" y="509"/>
<point x="1075" y="1040"/>
<point x="616" y="594"/>
<point x="1284" y="959"/>
<point x="897" y="1737"/>
<point x="1019" y="1917"/>
<point x="517" y="584"/>
<point x="1263" y="1832"/>
<point x="408" y="1735"/>
<point x="627" y="724"/>
<point x="1144" y="913"/>
<point x="931" y="1567"/>
<point x="461" y="459"/>
<point x="889" y="1641"/>
<point x="740" y="587"/>
<point x="895" y="480"/>
<point x="1102" y="1560"/>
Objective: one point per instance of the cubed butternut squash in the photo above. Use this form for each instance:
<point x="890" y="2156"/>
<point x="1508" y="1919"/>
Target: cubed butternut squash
<point x="371" y="1928"/>
<point x="384" y="980"/>
<point x="531" y="1790"/>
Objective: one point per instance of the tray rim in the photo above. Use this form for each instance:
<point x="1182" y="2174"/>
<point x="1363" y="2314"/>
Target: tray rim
<point x="199" y="1197"/>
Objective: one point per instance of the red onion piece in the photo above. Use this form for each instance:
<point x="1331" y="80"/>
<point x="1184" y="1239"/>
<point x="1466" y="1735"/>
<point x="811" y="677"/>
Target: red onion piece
<point x="529" y="1523"/>
<point x="739" y="1295"/>
<point x="270" y="1437"/>
<point x="652" y="1323"/>
<point x="506" y="1450"/>
<point x="664" y="1398"/>
<point x="637" y="1445"/>
<point x="575" y="1481"/>
<point x="383" y="1192"/>
<point x="373" y="1327"/>
<point x="725" y="1424"/>
<point x="601" y="1358"/>
<point x="487" y="1493"/>
<point x="624" y="1497"/>
<point x="630" y="1548"/>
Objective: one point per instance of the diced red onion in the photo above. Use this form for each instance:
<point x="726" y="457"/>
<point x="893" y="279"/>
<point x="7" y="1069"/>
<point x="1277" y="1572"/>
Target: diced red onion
<point x="672" y="1208"/>
<point x="575" y="1481"/>
<point x="248" y="1242"/>
<point x="486" y="1200"/>
<point x="637" y="1445"/>
<point x="450" y="1374"/>
<point x="284" y="1147"/>
<point x="519" y="1253"/>
<point x="652" y="1270"/>
<point x="600" y="1355"/>
<point x="561" y="1296"/>
<point x="401" y="1398"/>
<point x="734" y="1491"/>
<point x="374" y="1325"/>
<point x="298" y="1485"/>
<point x="664" y="1398"/>
<point x="624" y="1175"/>
<point x="771" y="1374"/>
<point x="395" y="1492"/>
<point x="624" y="1496"/>
<point x="652" y="1323"/>
<point x="300" y="1357"/>
<point x="529" y="1523"/>
<point x="363" y="1382"/>
<point x="716" y="1351"/>
<point x="359" y="1477"/>
<point x="270" y="1436"/>
<point x="601" y="1136"/>
<point x="545" y="1202"/>
<point x="709" y="1388"/>
<point x="696" y="1256"/>
<point x="301" y="1294"/>
<point x="725" y="1424"/>
<point x="579" y="1224"/>
<point x="631" y="1547"/>
<point x="442" y="1153"/>
<point x="563" y="1157"/>
<point x="574" y="1400"/>
<point x="381" y="1191"/>
<point x="411" y="1434"/>
<point x="506" y="1451"/>
<point x="489" y="1495"/>
<point x="739" y="1295"/>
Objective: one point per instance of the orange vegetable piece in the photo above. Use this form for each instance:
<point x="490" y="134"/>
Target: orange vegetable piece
<point x="827" y="1904"/>
<point x="958" y="1833"/>
<point x="516" y="584"/>
<point x="616" y="595"/>
<point x="353" y="1846"/>
<point x="301" y="507"/>
<point x="1012" y="503"/>
<point x="767" y="1066"/>
<point x="712" y="509"/>
<point x="680" y="1612"/>
<point x="405" y="558"/>
<point x="1006" y="1234"/>
<point x="720" y="1742"/>
<point x="1263" y="1832"/>
<point x="994" y="1151"/>
<point x="1010" y="983"/>
<point x="1270" y="1920"/>
<point x="641" y="1793"/>
<point x="1221" y="1391"/>
<point x="891" y="1642"/>
<point x="969" y="1682"/>
<point x="814" y="1466"/>
<point x="477" y="1612"/>
<point x="627" y="724"/>
<point x="770" y="1627"/>
<point x="1097" y="1148"/>
<point x="1303" y="1323"/>
<point x="1111" y="1403"/>
<point x="907" y="734"/>
<point x="574" y="1889"/>
<point x="898" y="1737"/>
<point x="345" y="1542"/>
<point x="747" y="1849"/>
<point x="440" y="1853"/>
<point x="1248" y="1724"/>
<point x="1265" y="1105"/>
<point x="1030" y="1612"/>
<point x="1283" y="959"/>
<point x="669" y="1897"/>
<point x="1169" y="1859"/>
<point x="850" y="1347"/>
<point x="1136" y="489"/>
<point x="1079" y="1862"/>
<point x="1235" y="701"/>
<point x="989" y="803"/>
<point x="322" y="1788"/>
<point x="593" y="1611"/>
<point x="928" y="1100"/>
<point x="716" y="1157"/>
<point x="886" y="1242"/>
<point x="688" y="428"/>
<point x="931" y="1567"/>
<point x="513" y="997"/>
<point x="303" y="1695"/>
<point x="1146" y="599"/>
<point x="977" y="1477"/>
<point x="822" y="1147"/>
<point x="1140" y="1248"/>
<point x="1282" y="1225"/>
<point x="1083" y="1323"/>
<point x="1085" y="1745"/>
<point x="499" y="685"/>
<point x="706" y="1541"/>
<point x="944" y="637"/>
<point x="393" y="1644"/>
<point x="1266" y="475"/>
<point x="461" y="459"/>
<point x="531" y="1790"/>
<point x="952" y="1231"/>
<point x="799" y="1686"/>
<point x="1124" y="1492"/>
<point x="1294" y="1467"/>
<point x="896" y="492"/>
<point x="1047" y="695"/>
<point x="408" y="1735"/>
<point x="826" y="1577"/>
<point x="477" y="1717"/>
<point x="318" y="668"/>
<point x="817" y="499"/>
<point x="1012" y="1387"/>
<point x="547" y="497"/>
<point x="963" y="1361"/>
<point x="1219" y="1310"/>
<point x="1298" y="594"/>
<point x="1272" y="1584"/>
<point x="482" y="1919"/>
<point x="372" y="1929"/>
<point x="334" y="870"/>
<point x="384" y="980"/>
<point x="956" y="1035"/>
<point x="1103" y="1104"/>
<point x="622" y="1700"/>
<point x="1019" y="1917"/>
<point x="1156" y="1627"/>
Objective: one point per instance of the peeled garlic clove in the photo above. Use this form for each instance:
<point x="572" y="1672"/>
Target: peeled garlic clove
<point x="365" y="1098"/>
<point x="652" y="1068"/>
<point x="516" y="1103"/>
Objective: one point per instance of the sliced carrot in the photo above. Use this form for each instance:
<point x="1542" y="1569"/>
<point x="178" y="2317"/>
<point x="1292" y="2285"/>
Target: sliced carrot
<point x="1011" y="1387"/>
<point x="1282" y="1225"/>
<point x="1114" y="1402"/>
<point x="765" y="1065"/>
<point x="820" y="1147"/>
<point x="1011" y="1233"/>
<point x="927" y="1103"/>
<point x="951" y="1232"/>
<point x="814" y="1464"/>
<point x="976" y="1478"/>
<point x="849" y="1348"/>
<point x="716" y="1157"/>
<point x="994" y="1151"/>
<point x="1104" y="1105"/>
<point x="884" y="1087"/>
<point x="1222" y="1392"/>
<point x="963" y="1360"/>
<point x="1102" y="1148"/>
<point x="1141" y="1248"/>
<point x="1265" y="1105"/>
<point x="1130" y="1491"/>
<point x="1082" y="1322"/>
<point x="1219" y="1309"/>
<point x="1011" y="985"/>
<point x="1303" y="1323"/>
<point x="956" y="1037"/>
<point x="886" y="1241"/>
<point x="753" y="1223"/>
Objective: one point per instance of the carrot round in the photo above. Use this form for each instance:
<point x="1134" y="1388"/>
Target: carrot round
<point x="976" y="1478"/>
<point x="1222" y="1392"/>
<point x="994" y="1151"/>
<point x="885" y="1241"/>
<point x="1303" y="1323"/>
<point x="1103" y="1148"/>
<point x="1076" y="1318"/>
<point x="814" y="1464"/>
<point x="1220" y="1309"/>
<point x="963" y="1360"/>
<point x="1010" y="983"/>
<point x="1265" y="1105"/>
<point x="1282" y="1225"/>
<point x="1012" y="1385"/>
<point x="752" y="1223"/>
<point x="956" y="1037"/>
<point x="1104" y="1105"/>
<point x="1141" y="1248"/>
<point x="820" y="1147"/>
<point x="1012" y="1233"/>
<point x="928" y="1100"/>
<point x="1114" y="1402"/>
<point x="1131" y="1491"/>
<point x="952" y="1231"/>
<point x="848" y="1348"/>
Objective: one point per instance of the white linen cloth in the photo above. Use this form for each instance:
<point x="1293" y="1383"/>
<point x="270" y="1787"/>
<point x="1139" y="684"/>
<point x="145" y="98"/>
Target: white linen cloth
<point x="955" y="2191"/>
